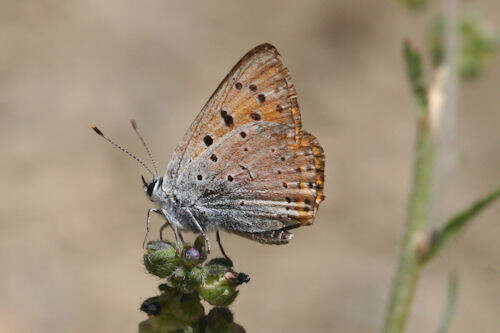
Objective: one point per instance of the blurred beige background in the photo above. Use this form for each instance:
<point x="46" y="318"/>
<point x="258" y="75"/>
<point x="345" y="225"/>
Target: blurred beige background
<point x="72" y="210"/>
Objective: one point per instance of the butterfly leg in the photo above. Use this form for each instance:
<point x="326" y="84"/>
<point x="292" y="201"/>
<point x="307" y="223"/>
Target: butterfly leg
<point x="179" y="240"/>
<point x="198" y="226"/>
<point x="148" y="224"/>
<point x="222" y="249"/>
<point x="166" y="224"/>
<point x="181" y="237"/>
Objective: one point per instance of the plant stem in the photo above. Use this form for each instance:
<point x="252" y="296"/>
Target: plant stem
<point x="422" y="207"/>
<point x="451" y="303"/>
<point x="446" y="134"/>
<point x="435" y="153"/>
<point x="420" y="244"/>
<point x="421" y="197"/>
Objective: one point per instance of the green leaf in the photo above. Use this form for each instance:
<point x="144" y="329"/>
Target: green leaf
<point x="414" y="70"/>
<point x="414" y="4"/>
<point x="477" y="45"/>
<point x="456" y="224"/>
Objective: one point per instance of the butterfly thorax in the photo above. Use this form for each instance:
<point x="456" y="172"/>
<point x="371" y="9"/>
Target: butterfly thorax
<point x="173" y="205"/>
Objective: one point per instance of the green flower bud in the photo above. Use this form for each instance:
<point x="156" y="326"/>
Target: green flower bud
<point x="187" y="308"/>
<point x="167" y="323"/>
<point x="220" y="320"/>
<point x="220" y="314"/>
<point x="177" y="277"/>
<point x="235" y="279"/>
<point x="224" y="262"/>
<point x="201" y="246"/>
<point x="182" y="281"/>
<point x="167" y="290"/>
<point x="191" y="280"/>
<point x="145" y="327"/>
<point x="167" y="295"/>
<point x="197" y="274"/>
<point x="161" y="258"/>
<point x="188" y="285"/>
<point x="217" y="266"/>
<point x="191" y="256"/>
<point x="152" y="306"/>
<point x="217" y="290"/>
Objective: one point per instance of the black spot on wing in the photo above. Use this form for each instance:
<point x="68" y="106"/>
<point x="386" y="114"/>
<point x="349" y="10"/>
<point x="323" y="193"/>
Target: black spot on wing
<point x="208" y="140"/>
<point x="228" y="119"/>
<point x="255" y="115"/>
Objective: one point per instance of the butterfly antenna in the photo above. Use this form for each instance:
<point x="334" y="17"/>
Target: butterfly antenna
<point x="136" y="129"/>
<point x="98" y="131"/>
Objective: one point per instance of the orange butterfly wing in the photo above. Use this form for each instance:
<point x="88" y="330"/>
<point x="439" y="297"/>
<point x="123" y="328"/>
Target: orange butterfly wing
<point x="257" y="89"/>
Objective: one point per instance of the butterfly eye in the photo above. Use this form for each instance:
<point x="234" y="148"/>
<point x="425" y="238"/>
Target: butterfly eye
<point x="151" y="187"/>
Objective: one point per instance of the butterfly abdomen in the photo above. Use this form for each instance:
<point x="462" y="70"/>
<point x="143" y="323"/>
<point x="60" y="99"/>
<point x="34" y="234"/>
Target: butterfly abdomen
<point x="276" y="237"/>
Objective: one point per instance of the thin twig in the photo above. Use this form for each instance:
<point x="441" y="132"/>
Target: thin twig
<point x="451" y="303"/>
<point x="435" y="152"/>
<point x="407" y="274"/>
<point x="446" y="134"/>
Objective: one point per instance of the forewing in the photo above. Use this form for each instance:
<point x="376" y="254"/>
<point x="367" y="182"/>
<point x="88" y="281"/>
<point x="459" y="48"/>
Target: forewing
<point x="258" y="88"/>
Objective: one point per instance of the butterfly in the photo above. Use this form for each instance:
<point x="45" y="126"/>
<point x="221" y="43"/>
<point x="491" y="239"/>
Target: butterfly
<point x="245" y="165"/>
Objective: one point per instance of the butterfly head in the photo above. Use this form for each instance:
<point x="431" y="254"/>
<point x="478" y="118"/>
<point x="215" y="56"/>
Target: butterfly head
<point x="153" y="189"/>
